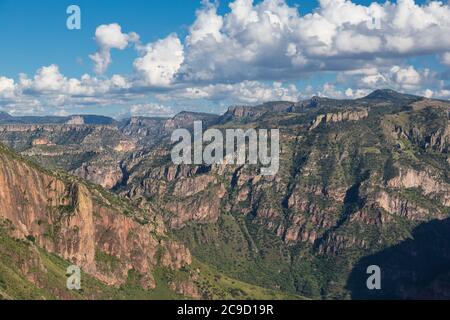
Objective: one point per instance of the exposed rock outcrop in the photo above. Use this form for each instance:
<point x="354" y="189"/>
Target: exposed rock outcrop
<point x="186" y="288"/>
<point x="422" y="180"/>
<point x="349" y="115"/>
<point x="106" y="176"/>
<point x="81" y="225"/>
<point x="75" y="120"/>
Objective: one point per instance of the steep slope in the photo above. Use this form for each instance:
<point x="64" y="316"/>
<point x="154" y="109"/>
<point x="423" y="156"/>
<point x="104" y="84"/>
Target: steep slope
<point x="355" y="177"/>
<point x="91" y="147"/>
<point x="50" y="220"/>
<point x="416" y="268"/>
<point x="4" y="116"/>
<point x="100" y="233"/>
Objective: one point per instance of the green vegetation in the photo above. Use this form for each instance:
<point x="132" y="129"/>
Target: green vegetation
<point x="299" y="234"/>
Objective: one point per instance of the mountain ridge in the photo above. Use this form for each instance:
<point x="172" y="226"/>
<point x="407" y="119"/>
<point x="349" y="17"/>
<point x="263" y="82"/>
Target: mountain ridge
<point x="50" y="220"/>
<point x="356" y="177"/>
<point x="280" y="106"/>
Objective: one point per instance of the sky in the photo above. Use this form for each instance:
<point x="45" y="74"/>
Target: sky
<point x="157" y="58"/>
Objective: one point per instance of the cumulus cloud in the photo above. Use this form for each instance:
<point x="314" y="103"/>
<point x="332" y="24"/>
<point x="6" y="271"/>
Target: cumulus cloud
<point x="407" y="78"/>
<point x="255" y="53"/>
<point x="49" y="80"/>
<point x="271" y="40"/>
<point x="356" y="94"/>
<point x="446" y="58"/>
<point x="160" y="61"/>
<point x="7" y="88"/>
<point x="151" y="110"/>
<point x="109" y="37"/>
<point x="46" y="79"/>
<point x="207" y="24"/>
<point x="248" y="92"/>
<point x="50" y="88"/>
<point x="13" y="101"/>
<point x="401" y="78"/>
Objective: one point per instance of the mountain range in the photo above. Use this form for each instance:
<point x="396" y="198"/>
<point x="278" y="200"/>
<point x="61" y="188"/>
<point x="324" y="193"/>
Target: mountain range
<point x="361" y="182"/>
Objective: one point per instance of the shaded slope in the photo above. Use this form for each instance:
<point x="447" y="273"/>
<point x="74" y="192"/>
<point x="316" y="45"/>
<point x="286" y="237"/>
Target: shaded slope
<point x="354" y="182"/>
<point x="50" y="220"/>
<point x="417" y="268"/>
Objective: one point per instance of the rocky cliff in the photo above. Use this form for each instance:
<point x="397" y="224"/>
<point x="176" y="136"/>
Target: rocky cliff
<point x="84" y="225"/>
<point x="50" y="220"/>
<point x="356" y="177"/>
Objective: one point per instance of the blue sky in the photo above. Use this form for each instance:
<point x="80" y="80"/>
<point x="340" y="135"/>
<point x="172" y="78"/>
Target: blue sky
<point x="34" y="36"/>
<point x="29" y="26"/>
<point x="39" y="27"/>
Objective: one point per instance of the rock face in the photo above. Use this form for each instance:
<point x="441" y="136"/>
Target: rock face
<point x="198" y="198"/>
<point x="125" y="146"/>
<point x="75" y="120"/>
<point x="410" y="178"/>
<point x="81" y="225"/>
<point x="342" y="191"/>
<point x="186" y="120"/>
<point x="150" y="131"/>
<point x="175" y="256"/>
<point x="4" y="116"/>
<point x="400" y="207"/>
<point x="41" y="142"/>
<point x="144" y="129"/>
<point x="186" y="288"/>
<point x="106" y="176"/>
<point x="92" y="152"/>
<point x="351" y="115"/>
<point x="355" y="177"/>
<point x="241" y="112"/>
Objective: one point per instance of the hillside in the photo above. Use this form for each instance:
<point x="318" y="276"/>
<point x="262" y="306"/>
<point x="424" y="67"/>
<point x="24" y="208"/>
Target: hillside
<point x="357" y="177"/>
<point x="50" y="220"/>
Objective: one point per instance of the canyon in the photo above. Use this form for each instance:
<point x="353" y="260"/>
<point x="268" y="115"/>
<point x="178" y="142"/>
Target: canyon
<point x="357" y="178"/>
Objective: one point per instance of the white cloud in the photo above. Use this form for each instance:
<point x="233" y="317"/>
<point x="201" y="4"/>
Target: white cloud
<point x="254" y="52"/>
<point x="207" y="24"/>
<point x="161" y="61"/>
<point x="119" y="82"/>
<point x="50" y="88"/>
<point x="401" y="78"/>
<point x="406" y="77"/>
<point x="271" y="40"/>
<point x="444" y="94"/>
<point x="151" y="110"/>
<point x="109" y="37"/>
<point x="356" y="94"/>
<point x="446" y="58"/>
<point x="329" y="90"/>
<point x="48" y="79"/>
<point x="248" y="92"/>
<point x="352" y="42"/>
<point x="428" y="93"/>
<point x="7" y="88"/>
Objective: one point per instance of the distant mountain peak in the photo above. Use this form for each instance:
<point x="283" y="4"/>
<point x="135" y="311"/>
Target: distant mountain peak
<point x="389" y="94"/>
<point x="319" y="98"/>
<point x="5" y="115"/>
<point x="193" y="115"/>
